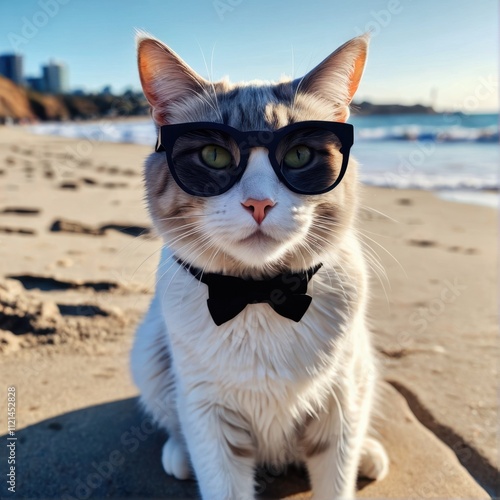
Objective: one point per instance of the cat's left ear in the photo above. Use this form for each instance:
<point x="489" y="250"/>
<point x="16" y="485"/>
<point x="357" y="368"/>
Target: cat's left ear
<point x="337" y="78"/>
<point x="166" y="79"/>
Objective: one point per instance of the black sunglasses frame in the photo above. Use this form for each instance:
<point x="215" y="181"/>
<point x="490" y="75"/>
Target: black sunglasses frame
<point x="269" y="139"/>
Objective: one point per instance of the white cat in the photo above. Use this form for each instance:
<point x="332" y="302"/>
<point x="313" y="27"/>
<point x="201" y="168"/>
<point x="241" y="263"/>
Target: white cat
<point x="273" y="379"/>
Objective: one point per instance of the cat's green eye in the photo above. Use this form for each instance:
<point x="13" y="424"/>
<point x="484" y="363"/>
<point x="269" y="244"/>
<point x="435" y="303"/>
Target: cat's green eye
<point x="297" y="157"/>
<point x="216" y="156"/>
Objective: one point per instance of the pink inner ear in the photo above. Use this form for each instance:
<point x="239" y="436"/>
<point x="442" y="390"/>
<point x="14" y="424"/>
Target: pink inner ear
<point x="357" y="72"/>
<point x="165" y="78"/>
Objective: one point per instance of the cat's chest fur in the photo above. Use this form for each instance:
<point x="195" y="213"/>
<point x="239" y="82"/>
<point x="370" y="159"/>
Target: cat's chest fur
<point x="258" y="348"/>
<point x="268" y="369"/>
<point x="258" y="335"/>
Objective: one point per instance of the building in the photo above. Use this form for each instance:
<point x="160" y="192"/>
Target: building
<point x="55" y="78"/>
<point x="35" y="83"/>
<point x="11" y="66"/>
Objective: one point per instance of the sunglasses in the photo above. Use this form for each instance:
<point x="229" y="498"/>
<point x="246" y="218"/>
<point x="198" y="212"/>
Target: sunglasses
<point x="208" y="159"/>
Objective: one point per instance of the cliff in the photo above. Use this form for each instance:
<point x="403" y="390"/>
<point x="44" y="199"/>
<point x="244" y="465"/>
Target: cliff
<point x="19" y="104"/>
<point x="14" y="102"/>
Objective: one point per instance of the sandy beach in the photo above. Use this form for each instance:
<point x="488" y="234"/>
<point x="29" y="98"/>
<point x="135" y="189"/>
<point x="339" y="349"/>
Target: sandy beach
<point x="77" y="264"/>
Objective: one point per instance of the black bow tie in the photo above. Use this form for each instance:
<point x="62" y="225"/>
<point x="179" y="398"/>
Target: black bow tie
<point x="229" y="295"/>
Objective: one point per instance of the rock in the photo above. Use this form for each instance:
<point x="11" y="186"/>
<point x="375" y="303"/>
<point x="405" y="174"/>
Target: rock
<point x="9" y="342"/>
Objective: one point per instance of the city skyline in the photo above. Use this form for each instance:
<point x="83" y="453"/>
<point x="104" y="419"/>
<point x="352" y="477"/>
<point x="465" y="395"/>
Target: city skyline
<point x="52" y="77"/>
<point x="442" y="54"/>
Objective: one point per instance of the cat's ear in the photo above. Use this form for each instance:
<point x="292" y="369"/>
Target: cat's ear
<point x="166" y="79"/>
<point x="337" y="78"/>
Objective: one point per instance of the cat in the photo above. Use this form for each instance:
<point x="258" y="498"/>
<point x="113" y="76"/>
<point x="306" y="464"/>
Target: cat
<point x="239" y="388"/>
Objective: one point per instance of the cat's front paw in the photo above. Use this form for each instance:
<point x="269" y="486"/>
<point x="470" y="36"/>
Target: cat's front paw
<point x="175" y="459"/>
<point x="374" y="462"/>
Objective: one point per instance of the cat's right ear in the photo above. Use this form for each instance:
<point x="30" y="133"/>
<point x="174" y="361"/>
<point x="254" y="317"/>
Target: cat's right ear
<point x="336" y="79"/>
<point x="165" y="78"/>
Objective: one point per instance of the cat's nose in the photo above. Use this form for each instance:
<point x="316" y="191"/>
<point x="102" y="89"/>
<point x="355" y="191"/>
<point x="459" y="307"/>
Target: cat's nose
<point x="258" y="208"/>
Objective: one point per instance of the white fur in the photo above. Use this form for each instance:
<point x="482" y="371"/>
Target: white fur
<point x="271" y="370"/>
<point x="259" y="388"/>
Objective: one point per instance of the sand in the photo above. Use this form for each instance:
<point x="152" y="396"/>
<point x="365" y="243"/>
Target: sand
<point x="77" y="263"/>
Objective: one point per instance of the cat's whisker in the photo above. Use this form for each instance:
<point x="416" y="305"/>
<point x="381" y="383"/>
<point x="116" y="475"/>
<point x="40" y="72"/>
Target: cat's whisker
<point x="209" y="263"/>
<point x="176" y="240"/>
<point x="329" y="243"/>
<point x="170" y="242"/>
<point x="387" y="252"/>
<point x="370" y="209"/>
<point x="216" y="107"/>
<point x="145" y="260"/>
<point x="211" y="82"/>
<point x="339" y="280"/>
<point x="203" y="99"/>
<point x="189" y="246"/>
<point x="375" y="262"/>
<point x="192" y="216"/>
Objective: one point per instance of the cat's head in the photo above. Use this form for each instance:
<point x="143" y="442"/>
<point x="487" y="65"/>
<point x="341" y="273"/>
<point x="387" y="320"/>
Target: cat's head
<point x="259" y="225"/>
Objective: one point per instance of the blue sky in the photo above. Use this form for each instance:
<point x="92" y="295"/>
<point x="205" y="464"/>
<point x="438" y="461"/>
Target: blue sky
<point x="444" y="51"/>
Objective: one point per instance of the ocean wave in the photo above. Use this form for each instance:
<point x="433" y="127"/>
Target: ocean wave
<point x="431" y="182"/>
<point x="418" y="133"/>
<point x="140" y="132"/>
<point x="143" y="132"/>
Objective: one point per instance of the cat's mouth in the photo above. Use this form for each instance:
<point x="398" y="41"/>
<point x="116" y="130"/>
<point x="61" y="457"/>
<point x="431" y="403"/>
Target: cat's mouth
<point x="258" y="237"/>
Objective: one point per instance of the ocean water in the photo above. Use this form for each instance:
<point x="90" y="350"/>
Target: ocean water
<point x="453" y="154"/>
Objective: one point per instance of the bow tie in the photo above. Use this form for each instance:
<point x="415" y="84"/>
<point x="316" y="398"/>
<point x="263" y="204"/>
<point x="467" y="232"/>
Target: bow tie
<point x="229" y="295"/>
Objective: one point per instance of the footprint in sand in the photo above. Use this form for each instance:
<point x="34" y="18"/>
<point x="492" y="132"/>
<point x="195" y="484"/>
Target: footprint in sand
<point x="20" y="211"/>
<point x="69" y="185"/>
<point x="114" y="185"/>
<point x="87" y="310"/>
<point x="462" y="250"/>
<point x="404" y="201"/>
<point x="66" y="226"/>
<point x="84" y="163"/>
<point x="47" y="283"/>
<point x="17" y="230"/>
<point x="88" y="181"/>
<point x="422" y="243"/>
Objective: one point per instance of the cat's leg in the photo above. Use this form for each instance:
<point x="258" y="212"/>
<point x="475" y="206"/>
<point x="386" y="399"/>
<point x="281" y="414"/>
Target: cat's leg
<point x="221" y="449"/>
<point x="333" y="443"/>
<point x="153" y="374"/>
<point x="332" y="456"/>
<point x="374" y="462"/>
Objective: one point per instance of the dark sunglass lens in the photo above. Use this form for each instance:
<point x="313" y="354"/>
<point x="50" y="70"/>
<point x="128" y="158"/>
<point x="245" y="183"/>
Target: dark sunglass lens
<point x="205" y="162"/>
<point x="310" y="159"/>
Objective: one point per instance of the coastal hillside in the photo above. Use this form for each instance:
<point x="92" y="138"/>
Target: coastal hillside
<point x="18" y="104"/>
<point x="23" y="105"/>
<point x="14" y="102"/>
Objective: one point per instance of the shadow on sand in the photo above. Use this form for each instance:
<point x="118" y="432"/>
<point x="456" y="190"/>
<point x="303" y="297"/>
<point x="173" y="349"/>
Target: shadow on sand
<point x="108" y="450"/>
<point x="111" y="450"/>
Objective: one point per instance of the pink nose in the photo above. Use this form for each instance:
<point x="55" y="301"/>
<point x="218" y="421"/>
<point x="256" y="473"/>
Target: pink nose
<point x="258" y="208"/>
